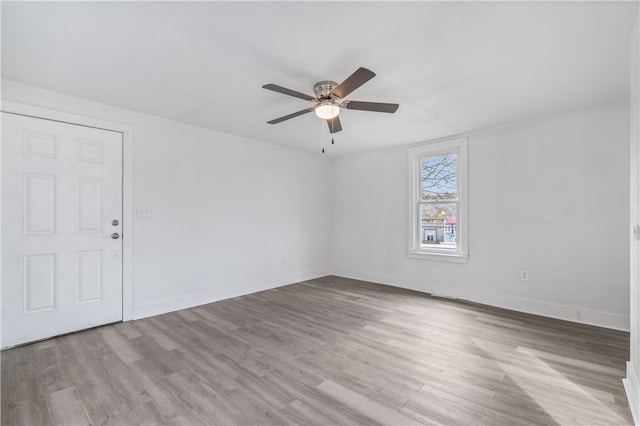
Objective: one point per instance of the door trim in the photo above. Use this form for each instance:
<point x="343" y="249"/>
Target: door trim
<point x="127" y="182"/>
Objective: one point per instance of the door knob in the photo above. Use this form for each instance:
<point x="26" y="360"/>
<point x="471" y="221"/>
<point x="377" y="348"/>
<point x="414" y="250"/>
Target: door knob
<point x="115" y="235"/>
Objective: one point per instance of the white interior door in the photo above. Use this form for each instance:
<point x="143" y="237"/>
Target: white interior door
<point x="61" y="226"/>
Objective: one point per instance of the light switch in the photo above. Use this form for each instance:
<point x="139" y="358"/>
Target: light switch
<point x="143" y="211"/>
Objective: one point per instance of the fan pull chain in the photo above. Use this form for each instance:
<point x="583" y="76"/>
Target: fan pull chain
<point x="323" y="129"/>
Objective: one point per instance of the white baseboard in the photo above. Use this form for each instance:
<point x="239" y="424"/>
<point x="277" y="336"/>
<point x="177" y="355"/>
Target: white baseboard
<point x="537" y="307"/>
<point x="633" y="392"/>
<point x="220" y="293"/>
<point x="521" y="304"/>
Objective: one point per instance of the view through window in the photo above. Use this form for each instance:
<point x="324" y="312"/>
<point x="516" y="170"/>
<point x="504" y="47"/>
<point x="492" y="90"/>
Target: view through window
<point x="439" y="198"/>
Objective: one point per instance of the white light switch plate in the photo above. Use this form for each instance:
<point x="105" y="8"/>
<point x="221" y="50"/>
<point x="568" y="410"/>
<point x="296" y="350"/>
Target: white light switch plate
<point x="143" y="211"/>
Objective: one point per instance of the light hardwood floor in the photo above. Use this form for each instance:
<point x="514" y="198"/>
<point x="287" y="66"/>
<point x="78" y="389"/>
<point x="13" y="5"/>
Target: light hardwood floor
<point x="326" y="351"/>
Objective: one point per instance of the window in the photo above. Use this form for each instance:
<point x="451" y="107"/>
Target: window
<point x="438" y="212"/>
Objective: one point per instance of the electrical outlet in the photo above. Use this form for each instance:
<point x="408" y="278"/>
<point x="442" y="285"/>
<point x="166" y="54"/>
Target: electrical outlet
<point x="524" y="275"/>
<point x="143" y="211"/>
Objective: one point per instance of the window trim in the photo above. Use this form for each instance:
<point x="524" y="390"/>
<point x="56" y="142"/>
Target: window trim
<point x="458" y="146"/>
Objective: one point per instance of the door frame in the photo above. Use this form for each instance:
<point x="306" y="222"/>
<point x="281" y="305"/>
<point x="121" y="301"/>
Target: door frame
<point x="127" y="183"/>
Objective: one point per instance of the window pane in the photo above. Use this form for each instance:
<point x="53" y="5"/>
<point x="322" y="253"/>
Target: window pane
<point x="438" y="178"/>
<point x="438" y="225"/>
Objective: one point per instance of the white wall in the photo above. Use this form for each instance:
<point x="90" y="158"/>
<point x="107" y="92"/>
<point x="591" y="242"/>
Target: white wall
<point x="233" y="216"/>
<point x="632" y="380"/>
<point x="550" y="196"/>
<point x="230" y="215"/>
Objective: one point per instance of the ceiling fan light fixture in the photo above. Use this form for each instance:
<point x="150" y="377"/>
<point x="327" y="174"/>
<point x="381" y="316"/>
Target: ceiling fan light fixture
<point x="327" y="110"/>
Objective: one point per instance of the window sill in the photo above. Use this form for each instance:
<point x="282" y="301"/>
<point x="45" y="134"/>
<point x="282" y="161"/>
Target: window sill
<point x="442" y="257"/>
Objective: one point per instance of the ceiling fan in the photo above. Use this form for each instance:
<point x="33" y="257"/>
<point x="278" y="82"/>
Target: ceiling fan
<point x="329" y="99"/>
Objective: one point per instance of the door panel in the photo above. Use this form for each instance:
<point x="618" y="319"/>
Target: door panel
<point x="61" y="189"/>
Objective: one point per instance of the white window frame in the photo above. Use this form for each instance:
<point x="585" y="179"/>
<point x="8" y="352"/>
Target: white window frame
<point x="459" y="148"/>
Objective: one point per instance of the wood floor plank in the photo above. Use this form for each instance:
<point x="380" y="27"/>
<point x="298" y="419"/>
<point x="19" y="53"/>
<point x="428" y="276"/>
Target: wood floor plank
<point x="302" y="414"/>
<point x="67" y="408"/>
<point x="366" y="406"/>
<point x="31" y="411"/>
<point x="119" y="344"/>
<point x="325" y="351"/>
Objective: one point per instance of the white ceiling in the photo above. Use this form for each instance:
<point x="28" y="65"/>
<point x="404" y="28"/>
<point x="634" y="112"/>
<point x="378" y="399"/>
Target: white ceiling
<point x="452" y="66"/>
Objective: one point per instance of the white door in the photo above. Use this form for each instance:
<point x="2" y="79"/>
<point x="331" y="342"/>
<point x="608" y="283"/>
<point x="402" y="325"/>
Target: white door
<point x="61" y="226"/>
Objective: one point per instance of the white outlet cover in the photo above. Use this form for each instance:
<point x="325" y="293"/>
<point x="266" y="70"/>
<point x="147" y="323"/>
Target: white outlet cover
<point x="143" y="211"/>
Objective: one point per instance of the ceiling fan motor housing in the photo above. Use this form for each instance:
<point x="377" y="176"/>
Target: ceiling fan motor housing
<point x="324" y="88"/>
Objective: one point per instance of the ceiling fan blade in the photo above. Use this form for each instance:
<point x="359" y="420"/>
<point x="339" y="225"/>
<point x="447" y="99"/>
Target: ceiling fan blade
<point x="289" y="92"/>
<point x="355" y="80"/>
<point x="371" y="106"/>
<point x="286" y="117"/>
<point x="334" y="124"/>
